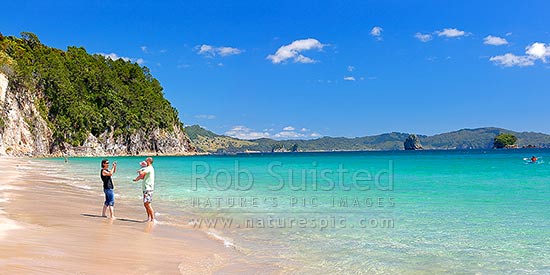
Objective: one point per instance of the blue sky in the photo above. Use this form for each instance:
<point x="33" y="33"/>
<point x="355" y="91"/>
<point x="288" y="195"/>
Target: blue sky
<point x="303" y="69"/>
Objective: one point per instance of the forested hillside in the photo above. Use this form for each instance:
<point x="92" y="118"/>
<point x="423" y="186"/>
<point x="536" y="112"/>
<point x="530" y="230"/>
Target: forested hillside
<point x="82" y="96"/>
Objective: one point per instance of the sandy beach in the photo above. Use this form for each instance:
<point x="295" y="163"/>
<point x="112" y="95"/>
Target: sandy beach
<point x="48" y="227"/>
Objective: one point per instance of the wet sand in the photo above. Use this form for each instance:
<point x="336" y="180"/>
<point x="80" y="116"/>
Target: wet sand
<point x="47" y="227"/>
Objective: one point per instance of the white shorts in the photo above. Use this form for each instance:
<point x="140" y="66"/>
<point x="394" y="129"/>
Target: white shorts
<point x="147" y="196"/>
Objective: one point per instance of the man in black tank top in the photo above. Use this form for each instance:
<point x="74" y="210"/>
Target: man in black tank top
<point x="108" y="188"/>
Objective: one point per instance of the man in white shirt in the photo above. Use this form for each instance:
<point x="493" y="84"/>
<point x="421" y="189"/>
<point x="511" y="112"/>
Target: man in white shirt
<point x="148" y="187"/>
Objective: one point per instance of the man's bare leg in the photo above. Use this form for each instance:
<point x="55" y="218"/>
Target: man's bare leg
<point x="150" y="212"/>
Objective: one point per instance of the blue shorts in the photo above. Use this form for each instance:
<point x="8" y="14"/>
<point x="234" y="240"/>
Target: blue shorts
<point x="109" y="197"/>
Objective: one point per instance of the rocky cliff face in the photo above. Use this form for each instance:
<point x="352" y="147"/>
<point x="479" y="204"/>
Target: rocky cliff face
<point x="412" y="143"/>
<point x="23" y="132"/>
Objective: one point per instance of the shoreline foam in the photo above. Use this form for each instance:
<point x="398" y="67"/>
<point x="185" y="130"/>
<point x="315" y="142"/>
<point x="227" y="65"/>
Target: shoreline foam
<point x="8" y="177"/>
<point x="54" y="227"/>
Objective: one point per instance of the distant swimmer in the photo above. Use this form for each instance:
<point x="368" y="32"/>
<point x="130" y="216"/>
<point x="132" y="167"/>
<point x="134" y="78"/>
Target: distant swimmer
<point x="533" y="160"/>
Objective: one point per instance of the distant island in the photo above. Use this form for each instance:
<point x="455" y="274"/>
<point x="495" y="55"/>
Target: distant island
<point x="481" y="138"/>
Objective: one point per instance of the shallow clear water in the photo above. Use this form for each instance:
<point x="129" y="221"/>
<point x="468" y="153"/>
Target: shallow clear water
<point x="395" y="212"/>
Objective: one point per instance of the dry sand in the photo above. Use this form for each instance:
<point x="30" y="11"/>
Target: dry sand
<point x="48" y="227"/>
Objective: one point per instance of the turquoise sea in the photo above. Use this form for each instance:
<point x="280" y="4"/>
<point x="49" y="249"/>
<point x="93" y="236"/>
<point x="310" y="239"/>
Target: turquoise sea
<point x="391" y="212"/>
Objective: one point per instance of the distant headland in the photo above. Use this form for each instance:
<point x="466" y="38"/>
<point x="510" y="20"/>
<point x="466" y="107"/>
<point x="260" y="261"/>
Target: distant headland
<point x="480" y="138"/>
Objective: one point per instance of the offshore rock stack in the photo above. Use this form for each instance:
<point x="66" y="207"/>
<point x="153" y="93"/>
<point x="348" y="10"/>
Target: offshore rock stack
<point x="412" y="143"/>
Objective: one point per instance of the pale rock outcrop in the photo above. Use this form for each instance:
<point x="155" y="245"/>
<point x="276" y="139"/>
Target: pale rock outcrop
<point x="3" y="87"/>
<point x="23" y="131"/>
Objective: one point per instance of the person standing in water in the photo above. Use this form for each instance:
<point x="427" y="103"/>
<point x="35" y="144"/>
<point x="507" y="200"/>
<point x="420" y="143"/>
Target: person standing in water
<point x="148" y="187"/>
<point x="108" y="188"/>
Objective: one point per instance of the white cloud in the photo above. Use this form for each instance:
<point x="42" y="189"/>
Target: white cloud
<point x="349" y="78"/>
<point x="535" y="51"/>
<point x="423" y="37"/>
<point x="205" y="116"/>
<point x="303" y="59"/>
<point x="226" y="51"/>
<point x="288" y="132"/>
<point x="376" y="31"/>
<point x="114" y="56"/>
<point x="432" y="58"/>
<point x="538" y="50"/>
<point x="144" y="49"/>
<point x="451" y="33"/>
<point x="510" y="60"/>
<point x="293" y="51"/>
<point x="212" y="51"/>
<point x="494" y="40"/>
<point x="351" y="68"/>
<point x="243" y="132"/>
<point x="206" y="49"/>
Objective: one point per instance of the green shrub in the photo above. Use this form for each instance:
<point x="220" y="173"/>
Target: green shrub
<point x="504" y="140"/>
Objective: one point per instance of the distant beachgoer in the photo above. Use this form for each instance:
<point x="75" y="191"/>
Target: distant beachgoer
<point x="148" y="187"/>
<point x="108" y="188"/>
<point x="534" y="159"/>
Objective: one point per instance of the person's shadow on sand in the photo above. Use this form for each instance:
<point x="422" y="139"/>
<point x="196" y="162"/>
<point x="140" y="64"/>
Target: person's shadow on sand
<point x="118" y="219"/>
